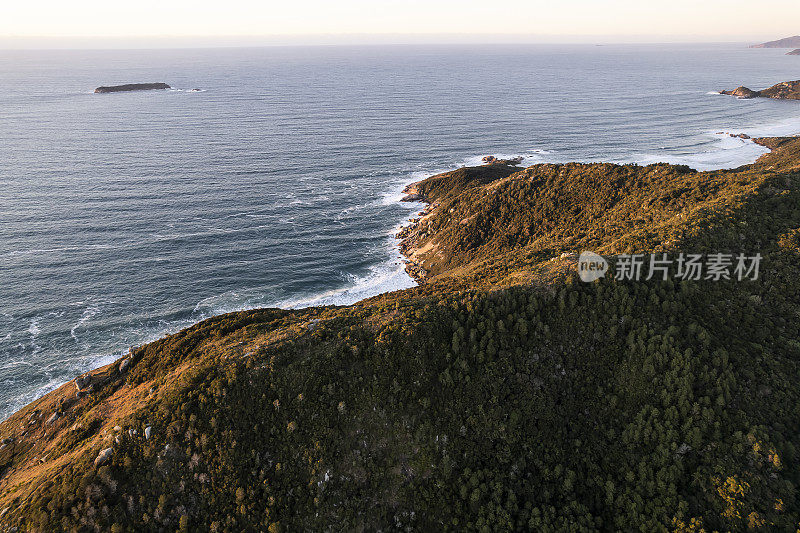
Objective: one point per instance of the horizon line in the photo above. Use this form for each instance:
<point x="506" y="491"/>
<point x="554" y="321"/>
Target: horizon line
<point x="97" y="42"/>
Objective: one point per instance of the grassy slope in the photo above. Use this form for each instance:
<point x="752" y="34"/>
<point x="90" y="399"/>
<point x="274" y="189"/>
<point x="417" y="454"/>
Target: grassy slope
<point x="500" y="395"/>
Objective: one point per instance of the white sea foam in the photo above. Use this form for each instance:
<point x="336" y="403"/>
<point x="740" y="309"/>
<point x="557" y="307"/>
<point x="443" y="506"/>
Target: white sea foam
<point x="227" y="302"/>
<point x="18" y="402"/>
<point x="87" y="315"/>
<point x="54" y="378"/>
<point x="386" y="277"/>
<point x="785" y="128"/>
<point x="394" y="191"/>
<point x="529" y="157"/>
<point x="725" y="151"/>
<point x="15" y="363"/>
<point x="33" y="251"/>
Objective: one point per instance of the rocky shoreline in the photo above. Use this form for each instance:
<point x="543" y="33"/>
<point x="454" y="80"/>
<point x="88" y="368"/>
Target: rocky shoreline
<point x="787" y="90"/>
<point x="412" y="235"/>
<point x="409" y="235"/>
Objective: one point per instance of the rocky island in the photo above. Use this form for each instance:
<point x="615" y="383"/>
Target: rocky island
<point x="794" y="52"/>
<point x="788" y="90"/>
<point x="503" y="394"/>
<point x="131" y="87"/>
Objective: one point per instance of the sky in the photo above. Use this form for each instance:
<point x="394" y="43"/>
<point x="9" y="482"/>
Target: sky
<point x="197" y="22"/>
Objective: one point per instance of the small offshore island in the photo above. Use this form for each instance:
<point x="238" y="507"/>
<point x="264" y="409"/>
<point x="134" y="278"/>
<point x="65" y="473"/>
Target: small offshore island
<point x="131" y="87"/>
<point x="502" y="394"/>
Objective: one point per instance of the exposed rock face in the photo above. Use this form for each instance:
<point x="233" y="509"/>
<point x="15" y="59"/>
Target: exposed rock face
<point x="742" y="92"/>
<point x="788" y="90"/>
<point x="103" y="456"/>
<point x="789" y="42"/>
<point x="131" y="87"/>
<point x="492" y="160"/>
<point x="81" y="382"/>
<point x="794" y="52"/>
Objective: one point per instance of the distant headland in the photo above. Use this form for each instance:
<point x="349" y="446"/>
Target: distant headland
<point x="131" y="87"/>
<point x="789" y="42"/>
<point x="794" y="52"/>
<point x="788" y="90"/>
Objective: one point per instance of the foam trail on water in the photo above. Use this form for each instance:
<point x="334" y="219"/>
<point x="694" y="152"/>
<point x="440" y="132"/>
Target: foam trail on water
<point x="529" y="157"/>
<point x="726" y="152"/>
<point x="785" y="128"/>
<point x="34" y="329"/>
<point x="394" y="193"/>
<point x="87" y="315"/>
<point x="55" y="380"/>
<point x="386" y="277"/>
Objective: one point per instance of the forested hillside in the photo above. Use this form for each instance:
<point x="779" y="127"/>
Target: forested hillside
<point x="502" y="394"/>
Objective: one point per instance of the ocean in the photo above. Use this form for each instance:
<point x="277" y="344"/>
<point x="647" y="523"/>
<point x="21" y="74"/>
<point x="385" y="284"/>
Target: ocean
<point x="128" y="216"/>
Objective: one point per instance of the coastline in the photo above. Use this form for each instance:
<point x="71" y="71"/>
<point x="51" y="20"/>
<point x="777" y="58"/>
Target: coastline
<point x="57" y="361"/>
<point x="106" y="416"/>
<point x="353" y="317"/>
<point x="409" y="237"/>
<point x="406" y="237"/>
<point x="405" y="241"/>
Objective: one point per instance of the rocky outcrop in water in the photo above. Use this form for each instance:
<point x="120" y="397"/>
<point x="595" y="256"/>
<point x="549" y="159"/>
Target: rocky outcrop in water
<point x="131" y="87"/>
<point x="492" y="160"/>
<point x="742" y="92"/>
<point x="788" y="90"/>
<point x="794" y="52"/>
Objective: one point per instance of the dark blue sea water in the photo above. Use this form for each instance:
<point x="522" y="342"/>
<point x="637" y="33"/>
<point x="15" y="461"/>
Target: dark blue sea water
<point x="127" y="216"/>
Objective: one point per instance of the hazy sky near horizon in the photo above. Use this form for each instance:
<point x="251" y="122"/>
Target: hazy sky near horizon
<point x="609" y="20"/>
